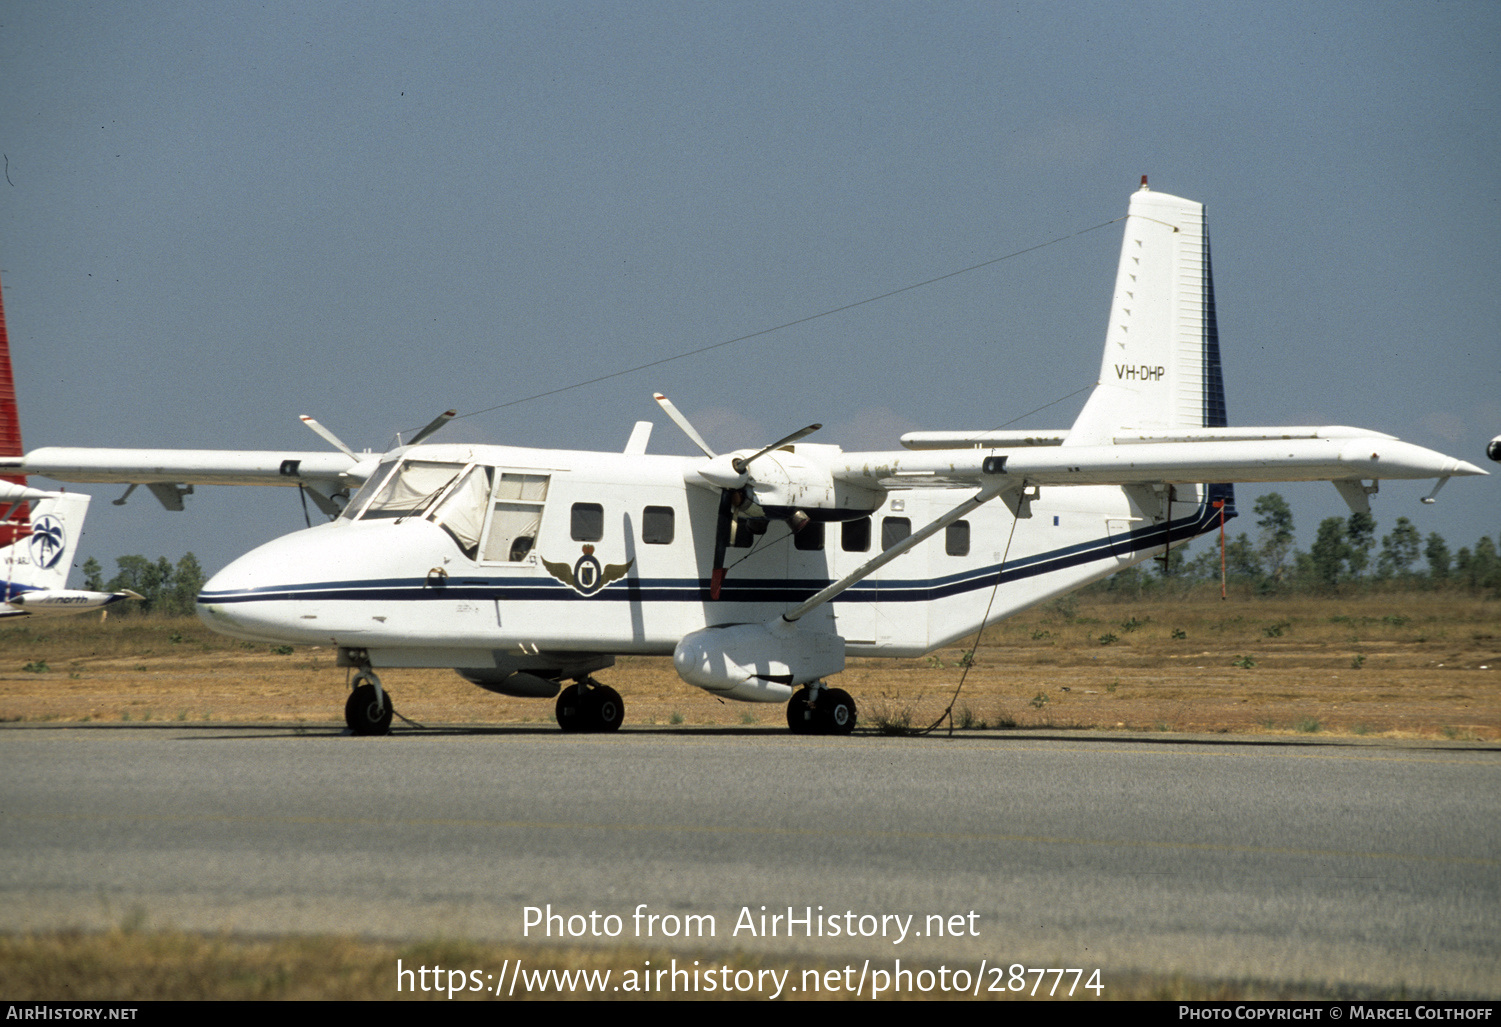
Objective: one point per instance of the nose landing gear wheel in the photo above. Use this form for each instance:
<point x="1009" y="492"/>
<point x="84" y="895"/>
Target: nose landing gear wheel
<point x="366" y="714"/>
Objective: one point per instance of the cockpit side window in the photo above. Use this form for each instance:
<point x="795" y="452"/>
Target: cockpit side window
<point x="515" y="517"/>
<point x="461" y="512"/>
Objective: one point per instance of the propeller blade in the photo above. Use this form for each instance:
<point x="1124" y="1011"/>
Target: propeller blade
<point x="722" y="530"/>
<point x="328" y="436"/>
<point x="740" y="463"/>
<point x="434" y="425"/>
<point x="682" y="422"/>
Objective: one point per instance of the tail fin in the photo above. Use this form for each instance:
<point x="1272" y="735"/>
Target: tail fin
<point x="14" y="521"/>
<point x="1161" y="369"/>
<point x="44" y="556"/>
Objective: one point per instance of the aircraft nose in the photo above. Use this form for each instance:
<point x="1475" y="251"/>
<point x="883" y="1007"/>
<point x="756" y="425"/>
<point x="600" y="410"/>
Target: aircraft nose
<point x="251" y="598"/>
<point x="241" y="577"/>
<point x="223" y="600"/>
<point x="299" y="588"/>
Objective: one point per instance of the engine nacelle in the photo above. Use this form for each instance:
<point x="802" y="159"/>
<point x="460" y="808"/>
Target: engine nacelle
<point x="785" y="481"/>
<point x="1493" y="450"/>
<point x="757" y="662"/>
<point x="521" y="685"/>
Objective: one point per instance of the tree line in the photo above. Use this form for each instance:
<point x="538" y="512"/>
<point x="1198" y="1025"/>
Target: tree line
<point x="1346" y="551"/>
<point x="166" y="589"/>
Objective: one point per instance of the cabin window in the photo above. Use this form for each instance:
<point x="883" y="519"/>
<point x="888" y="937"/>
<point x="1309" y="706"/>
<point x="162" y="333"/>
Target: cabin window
<point x="810" y="539"/>
<point x="587" y="522"/>
<point x="657" y="525"/>
<point x="515" y="517"/>
<point x="530" y="488"/>
<point x="854" y="536"/>
<point x="956" y="539"/>
<point x="893" y="530"/>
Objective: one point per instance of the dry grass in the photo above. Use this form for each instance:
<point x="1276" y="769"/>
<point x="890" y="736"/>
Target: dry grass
<point x="130" y="966"/>
<point x="1419" y="664"/>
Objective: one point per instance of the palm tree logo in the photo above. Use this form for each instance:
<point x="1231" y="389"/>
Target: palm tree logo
<point x="46" y="541"/>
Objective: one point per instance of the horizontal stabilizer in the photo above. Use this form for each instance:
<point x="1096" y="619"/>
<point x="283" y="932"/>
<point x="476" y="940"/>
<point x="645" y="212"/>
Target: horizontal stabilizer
<point x="982" y="439"/>
<point x="1372" y="457"/>
<point x="1249" y="434"/>
<point x="10" y="492"/>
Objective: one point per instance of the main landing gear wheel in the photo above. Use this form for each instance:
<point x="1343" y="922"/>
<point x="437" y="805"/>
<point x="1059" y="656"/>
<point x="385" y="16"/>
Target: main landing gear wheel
<point x="594" y="709"/>
<point x="569" y="711"/>
<point x="836" y="711"/>
<point x="365" y="713"/>
<point x="832" y="713"/>
<point x="800" y="716"/>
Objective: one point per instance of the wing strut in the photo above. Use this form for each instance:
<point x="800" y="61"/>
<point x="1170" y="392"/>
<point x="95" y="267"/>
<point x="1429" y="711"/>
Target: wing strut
<point x="869" y="567"/>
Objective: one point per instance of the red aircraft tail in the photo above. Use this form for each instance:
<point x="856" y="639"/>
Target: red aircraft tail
<point x="16" y="521"/>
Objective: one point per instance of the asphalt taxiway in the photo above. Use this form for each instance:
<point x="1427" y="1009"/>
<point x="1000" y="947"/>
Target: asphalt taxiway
<point x="1373" y="864"/>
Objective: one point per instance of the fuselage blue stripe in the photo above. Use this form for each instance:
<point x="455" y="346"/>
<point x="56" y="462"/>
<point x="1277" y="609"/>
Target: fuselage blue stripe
<point x="753" y="590"/>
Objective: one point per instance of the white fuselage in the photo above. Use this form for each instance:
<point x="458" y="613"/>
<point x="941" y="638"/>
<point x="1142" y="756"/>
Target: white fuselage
<point x="438" y="585"/>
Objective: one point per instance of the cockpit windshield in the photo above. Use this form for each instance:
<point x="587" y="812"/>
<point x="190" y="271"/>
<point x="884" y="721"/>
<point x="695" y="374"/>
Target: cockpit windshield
<point x="407" y="492"/>
<point x="372" y="485"/>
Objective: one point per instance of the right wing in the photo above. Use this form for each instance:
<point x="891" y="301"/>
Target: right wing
<point x="171" y="473"/>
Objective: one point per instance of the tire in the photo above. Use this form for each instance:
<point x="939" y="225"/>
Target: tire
<point x="366" y="714"/>
<point x="569" y="710"/>
<point x="836" y="712"/>
<point x="800" y="717"/>
<point x="604" y="709"/>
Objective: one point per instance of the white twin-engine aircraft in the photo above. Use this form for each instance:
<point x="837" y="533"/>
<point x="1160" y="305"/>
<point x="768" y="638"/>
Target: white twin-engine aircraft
<point x="760" y="571"/>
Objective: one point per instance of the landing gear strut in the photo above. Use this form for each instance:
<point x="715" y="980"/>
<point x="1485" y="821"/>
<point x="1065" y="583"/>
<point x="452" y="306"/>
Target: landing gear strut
<point x="368" y="711"/>
<point x="590" y="706"/>
<point x="821" y="710"/>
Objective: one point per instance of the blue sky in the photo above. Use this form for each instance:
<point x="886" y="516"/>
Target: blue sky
<point x="217" y="217"/>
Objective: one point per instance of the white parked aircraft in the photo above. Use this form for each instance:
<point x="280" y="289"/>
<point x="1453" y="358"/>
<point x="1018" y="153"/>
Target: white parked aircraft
<point x="759" y="571"/>
<point x="42" y="529"/>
